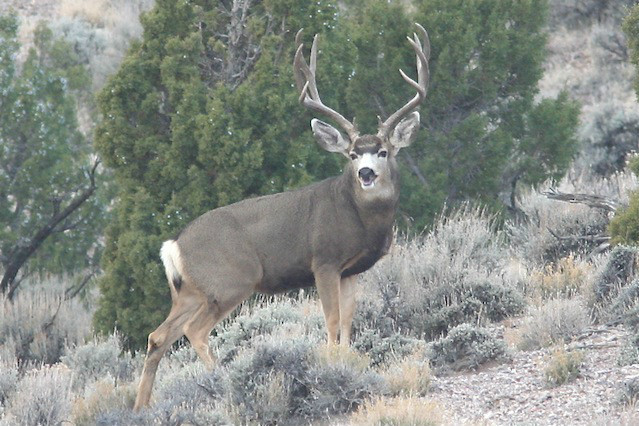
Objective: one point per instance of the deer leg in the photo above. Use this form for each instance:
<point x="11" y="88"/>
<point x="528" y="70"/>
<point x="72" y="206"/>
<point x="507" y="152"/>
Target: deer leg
<point x="198" y="329"/>
<point x="159" y="341"/>
<point x="347" y="304"/>
<point x="327" y="282"/>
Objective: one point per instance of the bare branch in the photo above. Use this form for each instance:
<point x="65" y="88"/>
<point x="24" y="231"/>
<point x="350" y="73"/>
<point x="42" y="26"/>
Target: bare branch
<point x="595" y="201"/>
<point x="18" y="258"/>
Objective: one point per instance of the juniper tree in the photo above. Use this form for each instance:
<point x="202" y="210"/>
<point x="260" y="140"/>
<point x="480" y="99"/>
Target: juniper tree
<point x="50" y="215"/>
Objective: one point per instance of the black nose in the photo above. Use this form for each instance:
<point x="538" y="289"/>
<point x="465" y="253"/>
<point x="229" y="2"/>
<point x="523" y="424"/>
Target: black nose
<point x="366" y="173"/>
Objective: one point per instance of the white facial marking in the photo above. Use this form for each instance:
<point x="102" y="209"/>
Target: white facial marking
<point x="369" y="161"/>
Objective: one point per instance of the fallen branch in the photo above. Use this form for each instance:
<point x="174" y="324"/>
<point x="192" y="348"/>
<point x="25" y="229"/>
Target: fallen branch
<point x="595" y="201"/>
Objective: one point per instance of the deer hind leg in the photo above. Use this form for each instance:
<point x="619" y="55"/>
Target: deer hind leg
<point x="159" y="342"/>
<point x="347" y="305"/>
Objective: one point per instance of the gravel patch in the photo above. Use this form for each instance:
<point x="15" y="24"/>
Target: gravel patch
<point x="517" y="393"/>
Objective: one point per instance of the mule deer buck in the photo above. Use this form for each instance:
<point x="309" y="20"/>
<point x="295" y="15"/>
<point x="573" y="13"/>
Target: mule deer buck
<point x="323" y="234"/>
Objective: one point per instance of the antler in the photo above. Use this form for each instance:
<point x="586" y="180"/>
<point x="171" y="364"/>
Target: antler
<point x="422" y="54"/>
<point x="305" y="80"/>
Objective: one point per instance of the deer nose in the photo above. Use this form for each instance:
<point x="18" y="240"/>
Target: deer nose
<point x="366" y="173"/>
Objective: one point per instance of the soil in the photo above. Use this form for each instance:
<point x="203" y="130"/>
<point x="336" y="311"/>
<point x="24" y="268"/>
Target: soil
<point x="517" y="392"/>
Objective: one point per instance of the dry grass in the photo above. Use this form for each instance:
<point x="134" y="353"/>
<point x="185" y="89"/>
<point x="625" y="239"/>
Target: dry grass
<point x="337" y="354"/>
<point x="410" y="411"/>
<point x="563" y="366"/>
<point x="410" y="376"/>
<point x="566" y="278"/>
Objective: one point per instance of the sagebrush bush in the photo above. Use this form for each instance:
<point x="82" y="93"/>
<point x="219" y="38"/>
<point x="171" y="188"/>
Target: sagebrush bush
<point x="42" y="397"/>
<point x="466" y="347"/>
<point x="574" y="13"/>
<point x="454" y="274"/>
<point x="382" y="349"/>
<point x="563" y="366"/>
<point x="8" y="379"/>
<point x="38" y="323"/>
<point x="238" y="332"/>
<point x="553" y="322"/>
<point x="97" y="358"/>
<point x="100" y="31"/>
<point x="629" y="352"/>
<point x="102" y="396"/>
<point x="609" y="135"/>
<point x="629" y="392"/>
<point x="625" y="305"/>
<point x="532" y="239"/>
<point x="617" y="272"/>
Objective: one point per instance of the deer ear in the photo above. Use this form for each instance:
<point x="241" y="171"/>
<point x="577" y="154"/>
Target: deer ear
<point x="328" y="137"/>
<point x="405" y="132"/>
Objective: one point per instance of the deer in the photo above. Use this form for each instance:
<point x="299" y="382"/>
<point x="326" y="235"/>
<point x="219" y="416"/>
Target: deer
<point x="324" y="234"/>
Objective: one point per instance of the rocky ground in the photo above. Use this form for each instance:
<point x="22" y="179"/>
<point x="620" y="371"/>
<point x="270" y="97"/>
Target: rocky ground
<point x="517" y="393"/>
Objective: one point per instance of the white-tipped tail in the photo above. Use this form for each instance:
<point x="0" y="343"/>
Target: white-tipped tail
<point x="170" y="254"/>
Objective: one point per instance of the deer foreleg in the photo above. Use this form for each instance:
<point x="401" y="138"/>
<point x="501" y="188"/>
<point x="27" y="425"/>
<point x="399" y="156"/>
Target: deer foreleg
<point x="347" y="304"/>
<point x="327" y="282"/>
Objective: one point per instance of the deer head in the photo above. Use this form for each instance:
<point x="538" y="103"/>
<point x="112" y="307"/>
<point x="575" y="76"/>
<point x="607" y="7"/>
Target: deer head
<point x="372" y="157"/>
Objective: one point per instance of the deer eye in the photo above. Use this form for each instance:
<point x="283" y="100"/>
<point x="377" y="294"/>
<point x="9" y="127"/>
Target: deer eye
<point x="353" y="156"/>
<point x="382" y="154"/>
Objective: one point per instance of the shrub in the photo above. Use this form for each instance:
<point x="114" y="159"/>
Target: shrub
<point x="629" y="353"/>
<point x="609" y="133"/>
<point x="629" y="392"/>
<point x="617" y="272"/>
<point x="382" y="349"/>
<point x="42" y="397"/>
<point x="38" y="323"/>
<point x="531" y="236"/>
<point x="95" y="359"/>
<point x="564" y="366"/>
<point x="555" y="321"/>
<point x="454" y="274"/>
<point x="625" y="306"/>
<point x="466" y="347"/>
<point x="8" y="380"/>
<point x="100" y="397"/>
<point x="411" y="411"/>
<point x="238" y="332"/>
<point x="270" y="366"/>
<point x="339" y="389"/>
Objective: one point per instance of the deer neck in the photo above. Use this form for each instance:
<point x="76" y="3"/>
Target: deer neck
<point x="375" y="208"/>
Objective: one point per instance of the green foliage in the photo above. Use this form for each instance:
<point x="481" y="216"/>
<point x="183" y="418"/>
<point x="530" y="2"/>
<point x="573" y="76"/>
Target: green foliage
<point x="624" y="226"/>
<point x="44" y="156"/>
<point x="194" y="119"/>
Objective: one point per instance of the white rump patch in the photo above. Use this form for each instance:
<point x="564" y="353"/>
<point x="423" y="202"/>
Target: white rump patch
<point x="170" y="254"/>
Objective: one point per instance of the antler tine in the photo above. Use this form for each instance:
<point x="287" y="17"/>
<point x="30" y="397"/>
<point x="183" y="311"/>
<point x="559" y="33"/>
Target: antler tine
<point x="309" y="97"/>
<point x="422" y="54"/>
